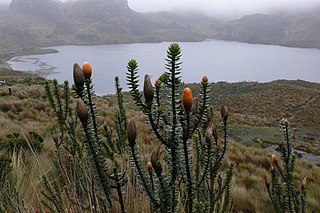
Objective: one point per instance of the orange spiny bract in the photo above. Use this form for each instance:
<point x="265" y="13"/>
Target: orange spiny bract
<point x="187" y="99"/>
<point x="274" y="159"/>
<point x="149" y="166"/>
<point x="205" y="79"/>
<point x="87" y="70"/>
<point x="158" y="83"/>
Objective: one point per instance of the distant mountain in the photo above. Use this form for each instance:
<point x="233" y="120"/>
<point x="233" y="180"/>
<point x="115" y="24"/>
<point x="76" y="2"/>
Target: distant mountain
<point x="49" y="22"/>
<point x="47" y="9"/>
<point x="299" y="29"/>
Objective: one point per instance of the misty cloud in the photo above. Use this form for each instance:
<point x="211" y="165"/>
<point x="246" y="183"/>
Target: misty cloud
<point x="222" y="7"/>
<point x="230" y="8"/>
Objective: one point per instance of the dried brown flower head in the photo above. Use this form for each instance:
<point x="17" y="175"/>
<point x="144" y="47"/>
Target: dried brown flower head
<point x="224" y="112"/>
<point x="147" y="89"/>
<point x="78" y="76"/>
<point x="82" y="111"/>
<point x="132" y="132"/>
<point x="155" y="160"/>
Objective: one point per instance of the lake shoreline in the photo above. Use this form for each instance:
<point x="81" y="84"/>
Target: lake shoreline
<point x="8" y="55"/>
<point x="219" y="60"/>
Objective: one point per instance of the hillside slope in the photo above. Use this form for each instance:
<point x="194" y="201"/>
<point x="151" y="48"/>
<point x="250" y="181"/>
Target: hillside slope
<point x="48" y="23"/>
<point x="39" y="23"/>
<point x="301" y="29"/>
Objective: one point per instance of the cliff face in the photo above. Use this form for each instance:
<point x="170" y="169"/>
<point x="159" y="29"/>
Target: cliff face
<point x="96" y="9"/>
<point x="48" y="9"/>
<point x="53" y="9"/>
<point x="256" y="28"/>
<point x="51" y="22"/>
<point x="298" y="29"/>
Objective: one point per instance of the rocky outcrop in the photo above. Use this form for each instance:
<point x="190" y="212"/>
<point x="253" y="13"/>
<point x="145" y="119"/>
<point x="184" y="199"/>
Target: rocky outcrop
<point x="47" y="9"/>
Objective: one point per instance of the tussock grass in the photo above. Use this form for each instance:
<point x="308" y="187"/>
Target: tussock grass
<point x="251" y="104"/>
<point x="248" y="189"/>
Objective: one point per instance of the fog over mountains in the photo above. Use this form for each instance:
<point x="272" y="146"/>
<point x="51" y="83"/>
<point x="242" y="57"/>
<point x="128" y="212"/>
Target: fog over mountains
<point x="48" y="22"/>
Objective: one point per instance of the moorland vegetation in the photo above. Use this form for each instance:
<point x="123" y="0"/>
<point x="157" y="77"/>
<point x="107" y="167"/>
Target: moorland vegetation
<point x="169" y="148"/>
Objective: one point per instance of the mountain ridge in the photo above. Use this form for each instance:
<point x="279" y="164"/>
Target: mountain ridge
<point x="40" y="23"/>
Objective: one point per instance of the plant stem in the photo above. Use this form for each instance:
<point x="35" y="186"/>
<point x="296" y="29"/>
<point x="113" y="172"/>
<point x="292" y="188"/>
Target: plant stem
<point x="93" y="116"/>
<point x="118" y="186"/>
<point x="143" y="178"/>
<point x="188" y="172"/>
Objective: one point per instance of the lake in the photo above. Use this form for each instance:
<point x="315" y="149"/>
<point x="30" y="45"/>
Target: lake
<point x="219" y="60"/>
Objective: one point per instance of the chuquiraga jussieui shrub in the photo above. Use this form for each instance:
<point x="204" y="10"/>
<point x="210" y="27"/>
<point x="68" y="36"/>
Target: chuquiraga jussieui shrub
<point x="187" y="161"/>
<point x="185" y="172"/>
<point x="282" y="193"/>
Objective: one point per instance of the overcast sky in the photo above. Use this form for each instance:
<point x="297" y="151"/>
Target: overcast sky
<point x="219" y="7"/>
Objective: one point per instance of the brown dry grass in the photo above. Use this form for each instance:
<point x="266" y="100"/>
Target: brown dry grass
<point x="263" y="104"/>
<point x="250" y="103"/>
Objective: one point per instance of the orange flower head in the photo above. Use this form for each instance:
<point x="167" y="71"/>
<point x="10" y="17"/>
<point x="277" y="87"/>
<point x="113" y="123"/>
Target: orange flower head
<point x="274" y="159"/>
<point x="158" y="83"/>
<point x="87" y="70"/>
<point x="187" y="99"/>
<point x="205" y="79"/>
<point x="149" y="166"/>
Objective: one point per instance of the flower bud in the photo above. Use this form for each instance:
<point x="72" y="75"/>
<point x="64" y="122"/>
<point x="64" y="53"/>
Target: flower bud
<point x="205" y="79"/>
<point x="304" y="183"/>
<point x="149" y="166"/>
<point x="224" y="112"/>
<point x="78" y="76"/>
<point x="215" y="133"/>
<point x="272" y="168"/>
<point x="155" y="161"/>
<point x="158" y="83"/>
<point x="187" y="99"/>
<point x="208" y="135"/>
<point x="147" y="89"/>
<point x="87" y="70"/>
<point x="82" y="111"/>
<point x="274" y="159"/>
<point x="132" y="132"/>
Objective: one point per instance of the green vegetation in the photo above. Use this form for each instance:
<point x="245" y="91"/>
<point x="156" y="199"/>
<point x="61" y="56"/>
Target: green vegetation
<point x="281" y="192"/>
<point x="93" y="155"/>
<point x="193" y="178"/>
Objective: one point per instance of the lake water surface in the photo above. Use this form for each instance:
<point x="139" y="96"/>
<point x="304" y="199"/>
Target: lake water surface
<point x="219" y="60"/>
